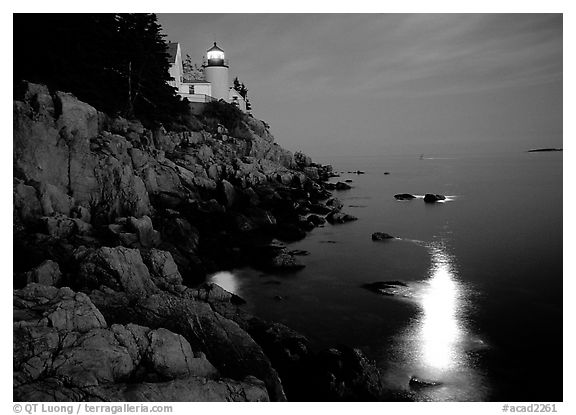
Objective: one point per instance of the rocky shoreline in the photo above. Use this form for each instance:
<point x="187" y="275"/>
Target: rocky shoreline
<point x="116" y="227"/>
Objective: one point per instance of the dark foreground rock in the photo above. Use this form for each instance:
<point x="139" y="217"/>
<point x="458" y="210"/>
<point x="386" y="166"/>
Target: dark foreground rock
<point x="64" y="350"/>
<point x="432" y="198"/>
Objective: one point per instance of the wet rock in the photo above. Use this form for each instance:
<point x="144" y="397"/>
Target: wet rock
<point x="404" y="196"/>
<point x="418" y="383"/>
<point x="339" y="218"/>
<point x="389" y="288"/>
<point x="285" y="261"/>
<point x="381" y="236"/>
<point x="432" y="198"/>
<point x="334" y="204"/>
<point x="343" y="186"/>
<point x="316" y="220"/>
<point x="345" y="374"/>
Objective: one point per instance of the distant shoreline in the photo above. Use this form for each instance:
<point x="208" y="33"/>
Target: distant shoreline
<point x="541" y="150"/>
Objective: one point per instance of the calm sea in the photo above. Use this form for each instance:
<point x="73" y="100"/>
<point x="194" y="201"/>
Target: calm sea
<point x="482" y="313"/>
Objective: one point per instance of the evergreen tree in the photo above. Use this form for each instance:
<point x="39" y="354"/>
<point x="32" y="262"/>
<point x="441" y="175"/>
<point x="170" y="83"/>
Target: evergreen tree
<point x="192" y="71"/>
<point x="116" y="62"/>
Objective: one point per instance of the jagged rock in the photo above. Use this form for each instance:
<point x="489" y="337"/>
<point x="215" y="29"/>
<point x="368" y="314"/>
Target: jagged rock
<point x="78" y="361"/>
<point x="431" y="198"/>
<point x="171" y="356"/>
<point x="186" y="390"/>
<point x="62" y="309"/>
<point x="210" y="292"/>
<point x="121" y="269"/>
<point x="381" y="236"/>
<point x="27" y="207"/>
<point x="162" y="268"/>
<point x="346" y="374"/>
<point x="77" y="119"/>
<point x="404" y="196"/>
<point x="47" y="273"/>
<point x="143" y="228"/>
<point x="229" y="348"/>
<point x="338" y="218"/>
<point x="311" y="172"/>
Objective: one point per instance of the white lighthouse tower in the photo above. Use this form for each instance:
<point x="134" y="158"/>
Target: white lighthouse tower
<point x="216" y="71"/>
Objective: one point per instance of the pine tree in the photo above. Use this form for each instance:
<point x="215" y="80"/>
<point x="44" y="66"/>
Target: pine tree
<point x="116" y="62"/>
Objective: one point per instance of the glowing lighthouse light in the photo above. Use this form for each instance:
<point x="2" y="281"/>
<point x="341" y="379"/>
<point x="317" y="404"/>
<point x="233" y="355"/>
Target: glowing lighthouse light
<point x="215" y="54"/>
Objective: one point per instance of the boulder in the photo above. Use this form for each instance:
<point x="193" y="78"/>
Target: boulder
<point x="47" y="273"/>
<point x="285" y="261"/>
<point x="61" y="309"/>
<point x="345" y="374"/>
<point x="404" y="196"/>
<point x="170" y="355"/>
<point x="334" y="204"/>
<point x="381" y="236"/>
<point x="162" y="268"/>
<point x="343" y="186"/>
<point x="388" y="288"/>
<point x="27" y="207"/>
<point x="316" y="220"/>
<point x="432" y="198"/>
<point x="338" y="218"/>
<point x="119" y="268"/>
<point x="143" y="228"/>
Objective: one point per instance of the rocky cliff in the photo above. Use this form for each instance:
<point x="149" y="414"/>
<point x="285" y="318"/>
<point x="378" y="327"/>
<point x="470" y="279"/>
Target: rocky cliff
<point x="115" y="228"/>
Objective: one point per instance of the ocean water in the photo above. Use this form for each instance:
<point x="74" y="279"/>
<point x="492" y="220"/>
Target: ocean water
<point x="481" y="313"/>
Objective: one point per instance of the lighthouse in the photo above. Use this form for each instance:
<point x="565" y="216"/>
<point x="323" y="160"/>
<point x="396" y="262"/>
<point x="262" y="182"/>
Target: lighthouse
<point x="216" y="72"/>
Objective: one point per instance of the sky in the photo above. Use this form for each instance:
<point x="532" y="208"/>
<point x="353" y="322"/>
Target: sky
<point x="367" y="84"/>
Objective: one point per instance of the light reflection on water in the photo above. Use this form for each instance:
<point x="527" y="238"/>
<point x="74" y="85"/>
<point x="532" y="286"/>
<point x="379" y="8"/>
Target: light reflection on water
<point x="226" y="280"/>
<point x="436" y="345"/>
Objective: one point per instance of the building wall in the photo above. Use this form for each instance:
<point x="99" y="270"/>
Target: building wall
<point x="218" y="77"/>
<point x="176" y="70"/>
<point x="235" y="97"/>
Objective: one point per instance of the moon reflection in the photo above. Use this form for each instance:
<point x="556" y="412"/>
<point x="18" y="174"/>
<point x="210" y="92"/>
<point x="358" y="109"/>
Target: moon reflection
<point x="435" y="346"/>
<point x="440" y="328"/>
